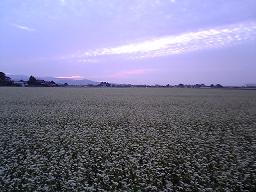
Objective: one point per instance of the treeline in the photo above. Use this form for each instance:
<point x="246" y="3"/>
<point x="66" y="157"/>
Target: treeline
<point x="106" y="84"/>
<point x="32" y="82"/>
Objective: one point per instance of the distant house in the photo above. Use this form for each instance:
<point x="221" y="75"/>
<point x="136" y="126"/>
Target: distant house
<point x="21" y="83"/>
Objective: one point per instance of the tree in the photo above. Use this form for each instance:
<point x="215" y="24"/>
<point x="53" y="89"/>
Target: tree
<point x="2" y="76"/>
<point x="4" y="80"/>
<point x="181" y="85"/>
<point x="219" y="86"/>
<point x="104" y="84"/>
<point x="32" y="80"/>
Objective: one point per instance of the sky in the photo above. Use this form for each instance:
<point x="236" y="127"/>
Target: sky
<point x="131" y="41"/>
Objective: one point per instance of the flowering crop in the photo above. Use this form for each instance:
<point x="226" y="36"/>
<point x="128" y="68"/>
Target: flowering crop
<point x="96" y="139"/>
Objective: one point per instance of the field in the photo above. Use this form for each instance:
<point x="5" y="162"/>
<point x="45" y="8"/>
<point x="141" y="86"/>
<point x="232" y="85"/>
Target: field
<point x="148" y="139"/>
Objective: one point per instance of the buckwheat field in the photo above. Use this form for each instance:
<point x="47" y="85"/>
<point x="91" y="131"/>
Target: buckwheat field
<point x="148" y="139"/>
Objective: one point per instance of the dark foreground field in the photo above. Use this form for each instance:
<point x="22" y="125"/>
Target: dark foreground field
<point x="64" y="139"/>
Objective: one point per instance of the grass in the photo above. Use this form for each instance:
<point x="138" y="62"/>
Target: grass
<point x="148" y="139"/>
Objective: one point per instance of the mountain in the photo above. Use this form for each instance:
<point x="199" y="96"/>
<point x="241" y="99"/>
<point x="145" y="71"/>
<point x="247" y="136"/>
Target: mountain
<point x="18" y="77"/>
<point x="56" y="80"/>
<point x="71" y="81"/>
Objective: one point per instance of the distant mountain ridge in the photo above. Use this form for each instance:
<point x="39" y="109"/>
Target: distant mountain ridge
<point x="56" y="80"/>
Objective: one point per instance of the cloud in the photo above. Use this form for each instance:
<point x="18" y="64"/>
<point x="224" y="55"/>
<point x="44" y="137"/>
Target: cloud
<point x="63" y="2"/>
<point x="87" y="60"/>
<point x="23" y="27"/>
<point x="132" y="72"/>
<point x="179" y="44"/>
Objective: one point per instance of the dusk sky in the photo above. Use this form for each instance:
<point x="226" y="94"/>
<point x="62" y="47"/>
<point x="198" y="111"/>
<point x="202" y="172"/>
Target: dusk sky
<point x="131" y="41"/>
